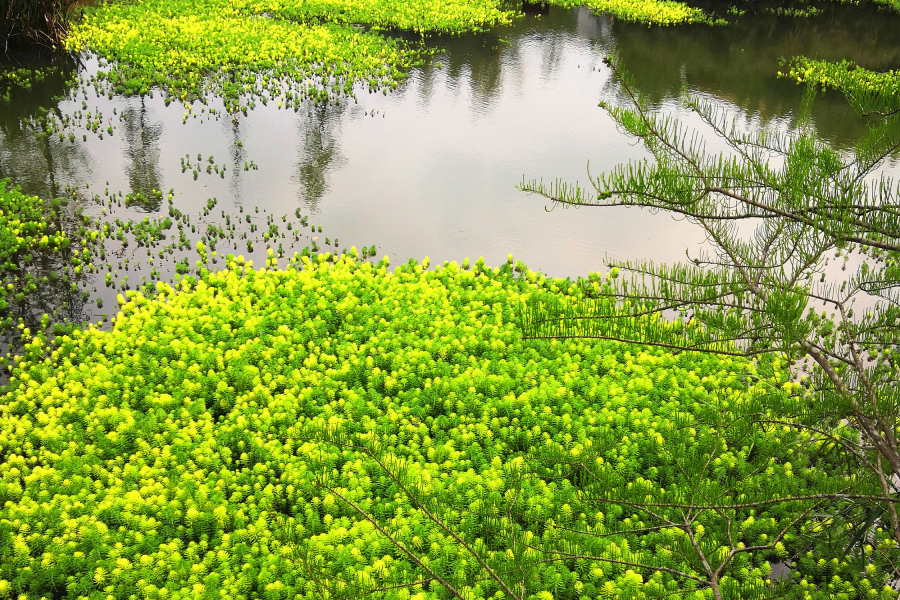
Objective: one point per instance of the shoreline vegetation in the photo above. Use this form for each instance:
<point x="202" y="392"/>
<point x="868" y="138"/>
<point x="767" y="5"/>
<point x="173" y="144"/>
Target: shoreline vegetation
<point x="287" y="51"/>
<point x="290" y="50"/>
<point x="245" y="52"/>
<point x="43" y="23"/>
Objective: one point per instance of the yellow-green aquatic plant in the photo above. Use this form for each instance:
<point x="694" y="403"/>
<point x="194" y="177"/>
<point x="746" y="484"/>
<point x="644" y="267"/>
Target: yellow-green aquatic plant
<point x="240" y="47"/>
<point x="290" y="49"/>
<point x="870" y="92"/>
<point x="31" y="243"/>
<point x="656" y="12"/>
<point x="198" y="449"/>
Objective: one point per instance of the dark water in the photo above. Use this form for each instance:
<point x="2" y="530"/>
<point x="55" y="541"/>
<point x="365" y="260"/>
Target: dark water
<point x="431" y="169"/>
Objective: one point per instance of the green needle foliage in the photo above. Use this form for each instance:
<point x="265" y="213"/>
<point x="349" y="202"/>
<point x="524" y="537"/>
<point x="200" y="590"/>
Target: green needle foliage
<point x="775" y="210"/>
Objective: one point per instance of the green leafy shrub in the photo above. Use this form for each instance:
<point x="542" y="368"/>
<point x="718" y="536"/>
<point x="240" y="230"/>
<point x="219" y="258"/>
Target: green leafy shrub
<point x="171" y="457"/>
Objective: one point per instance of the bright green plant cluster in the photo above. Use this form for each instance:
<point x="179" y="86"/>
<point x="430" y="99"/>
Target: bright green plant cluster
<point x="870" y="87"/>
<point x="181" y="47"/>
<point x="46" y="123"/>
<point x="420" y="16"/>
<point x="838" y="75"/>
<point x="810" y="11"/>
<point x="53" y="283"/>
<point x="195" y="450"/>
<point x="19" y="87"/>
<point x="19" y="79"/>
<point x="29" y="227"/>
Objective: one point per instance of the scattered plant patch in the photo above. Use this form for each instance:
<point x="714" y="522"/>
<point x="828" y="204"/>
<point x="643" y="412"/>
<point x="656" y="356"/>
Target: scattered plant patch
<point x="34" y="249"/>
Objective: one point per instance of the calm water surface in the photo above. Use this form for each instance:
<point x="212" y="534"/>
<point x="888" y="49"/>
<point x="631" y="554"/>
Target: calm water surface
<point x="431" y="169"/>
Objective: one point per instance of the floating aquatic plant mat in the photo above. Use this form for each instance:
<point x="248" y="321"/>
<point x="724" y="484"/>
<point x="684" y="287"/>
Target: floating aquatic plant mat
<point x="176" y="456"/>
<point x="871" y="91"/>
<point x="292" y="49"/>
<point x="655" y="12"/>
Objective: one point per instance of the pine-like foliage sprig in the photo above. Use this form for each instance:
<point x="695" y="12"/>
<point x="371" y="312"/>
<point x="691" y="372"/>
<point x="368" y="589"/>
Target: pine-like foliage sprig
<point x="778" y="211"/>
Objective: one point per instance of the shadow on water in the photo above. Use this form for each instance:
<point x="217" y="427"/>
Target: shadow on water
<point x="40" y="163"/>
<point x="320" y="152"/>
<point x="142" y="134"/>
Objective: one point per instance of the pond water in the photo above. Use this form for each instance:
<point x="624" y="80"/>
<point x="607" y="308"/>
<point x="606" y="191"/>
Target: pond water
<point x="431" y="169"/>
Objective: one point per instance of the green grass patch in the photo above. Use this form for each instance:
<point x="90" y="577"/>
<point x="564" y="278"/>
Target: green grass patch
<point x="165" y="458"/>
